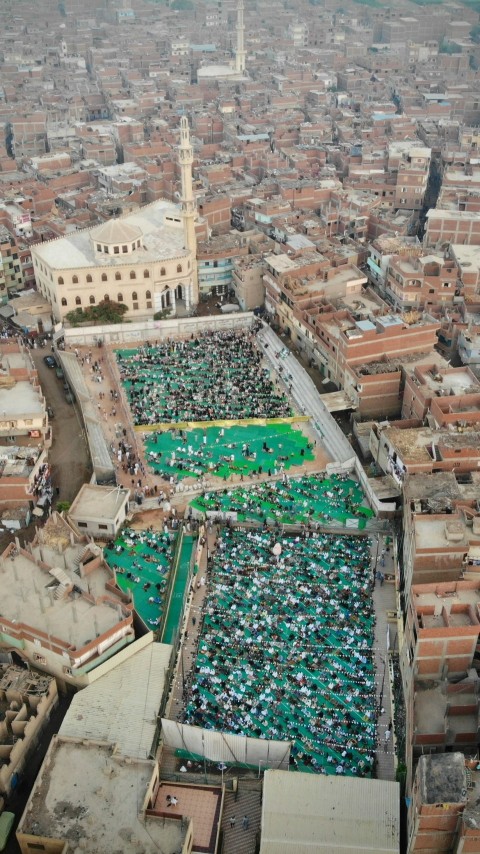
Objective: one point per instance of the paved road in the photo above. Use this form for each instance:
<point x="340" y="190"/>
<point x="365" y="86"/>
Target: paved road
<point x="69" y="457"/>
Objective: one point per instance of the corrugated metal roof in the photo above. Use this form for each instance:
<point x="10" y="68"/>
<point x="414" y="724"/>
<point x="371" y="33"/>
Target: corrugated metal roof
<point x="122" y="706"/>
<point x="317" y="813"/>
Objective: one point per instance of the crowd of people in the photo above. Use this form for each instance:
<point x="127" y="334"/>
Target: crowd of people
<point x="211" y="376"/>
<point x="141" y="561"/>
<point x="222" y="452"/>
<point x="285" y="648"/>
<point x="318" y="497"/>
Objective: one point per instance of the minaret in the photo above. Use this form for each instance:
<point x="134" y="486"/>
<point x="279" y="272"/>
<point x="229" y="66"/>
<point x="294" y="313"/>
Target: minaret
<point x="240" y="51"/>
<point x="185" y="157"/>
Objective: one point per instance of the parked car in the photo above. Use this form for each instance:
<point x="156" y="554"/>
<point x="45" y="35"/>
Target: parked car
<point x="50" y="412"/>
<point x="50" y="361"/>
<point x="70" y="397"/>
<point x="59" y="373"/>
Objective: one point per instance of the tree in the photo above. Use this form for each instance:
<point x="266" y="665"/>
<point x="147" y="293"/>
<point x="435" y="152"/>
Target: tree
<point x="63" y="506"/>
<point x="107" y="312"/>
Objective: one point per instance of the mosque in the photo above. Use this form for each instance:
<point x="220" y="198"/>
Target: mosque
<point x="229" y="73"/>
<point x="145" y="260"/>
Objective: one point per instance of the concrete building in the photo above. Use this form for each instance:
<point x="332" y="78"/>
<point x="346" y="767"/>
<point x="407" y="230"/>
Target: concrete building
<point x="114" y="791"/>
<point x="443" y="812"/>
<point x="311" y="812"/>
<point x="27" y="699"/>
<point x="70" y="617"/>
<point x="99" y="511"/>
<point x="140" y="260"/>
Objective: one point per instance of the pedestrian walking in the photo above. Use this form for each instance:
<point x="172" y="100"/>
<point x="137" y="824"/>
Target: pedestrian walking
<point x="232" y="821"/>
<point x="245" y="822"/>
<point x="387" y="737"/>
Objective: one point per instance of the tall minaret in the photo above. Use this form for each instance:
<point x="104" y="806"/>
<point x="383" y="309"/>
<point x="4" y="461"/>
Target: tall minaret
<point x="240" y="51"/>
<point x="185" y="157"/>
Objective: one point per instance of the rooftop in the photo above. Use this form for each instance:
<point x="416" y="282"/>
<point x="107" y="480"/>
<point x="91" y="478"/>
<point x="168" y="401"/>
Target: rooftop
<point x="306" y="812"/>
<point x="161" y="240"/>
<point x="98" y="501"/>
<point x="28" y="596"/>
<point x="99" y="805"/>
<point x="442" y="778"/>
<point x="121" y="707"/>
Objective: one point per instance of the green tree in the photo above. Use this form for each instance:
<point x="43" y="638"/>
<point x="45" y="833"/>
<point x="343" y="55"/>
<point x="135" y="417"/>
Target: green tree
<point x="107" y="312"/>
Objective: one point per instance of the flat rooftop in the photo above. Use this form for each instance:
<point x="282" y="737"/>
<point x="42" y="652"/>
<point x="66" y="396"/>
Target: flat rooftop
<point x="28" y="596"/>
<point x="454" y="380"/>
<point x="430" y="532"/>
<point x="20" y="401"/>
<point x="98" y="501"/>
<point x="161" y="241"/>
<point x="202" y="804"/>
<point x="99" y="804"/>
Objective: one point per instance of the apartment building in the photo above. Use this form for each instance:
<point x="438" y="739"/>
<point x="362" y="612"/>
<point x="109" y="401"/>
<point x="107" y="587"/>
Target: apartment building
<point x="68" y="620"/>
<point x="422" y="281"/>
<point x="443" y="810"/>
<point x="452" y="226"/>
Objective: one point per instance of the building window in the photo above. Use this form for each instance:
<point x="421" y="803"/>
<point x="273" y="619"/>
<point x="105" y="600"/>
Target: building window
<point x="146" y="274"/>
<point x="118" y="276"/>
<point x="133" y="275"/>
<point x="124" y="248"/>
<point x="60" y="280"/>
<point x="116" y="250"/>
<point x="103" y="527"/>
<point x="119" y="297"/>
<point x="135" y="306"/>
<point x="104" y="277"/>
<point x="134" y="296"/>
<point x="78" y="301"/>
<point x="149" y="304"/>
<point x="75" y="280"/>
<point x="99" y="247"/>
<point x="82" y="525"/>
<point x="148" y="295"/>
<point x="105" y="249"/>
<point x="64" y="301"/>
<point x="106" y="298"/>
<point x="89" y="279"/>
<point x="163" y="272"/>
<point x="91" y="299"/>
<point x="39" y="659"/>
<point x="67" y="671"/>
<point x="179" y="268"/>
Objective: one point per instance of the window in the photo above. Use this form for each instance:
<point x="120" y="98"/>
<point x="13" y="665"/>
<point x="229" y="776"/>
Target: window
<point x="82" y="525"/>
<point x="39" y="659"/>
<point x="103" y="527"/>
<point x="148" y="295"/>
<point x="118" y="277"/>
<point x="146" y="274"/>
<point x="105" y="249"/>
<point x="75" y="280"/>
<point x="135" y="306"/>
<point x="89" y="278"/>
<point x="60" y="280"/>
<point x="78" y="301"/>
<point x="134" y="296"/>
<point x="91" y="299"/>
<point x="116" y="250"/>
<point x="124" y="248"/>
<point x="119" y="297"/>
<point x="104" y="277"/>
<point x="64" y="301"/>
<point x="67" y="670"/>
<point x="179" y="268"/>
<point x="133" y="275"/>
<point x="149" y="303"/>
<point x="163" y="272"/>
<point x="99" y="247"/>
<point x="106" y="298"/>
